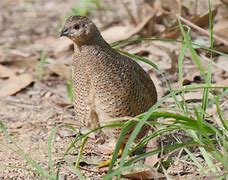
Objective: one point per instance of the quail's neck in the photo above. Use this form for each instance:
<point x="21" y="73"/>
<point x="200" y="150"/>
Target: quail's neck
<point x="95" y="42"/>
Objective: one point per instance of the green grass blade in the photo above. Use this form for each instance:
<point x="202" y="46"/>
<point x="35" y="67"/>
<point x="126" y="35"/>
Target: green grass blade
<point x="139" y="58"/>
<point x="221" y="116"/>
<point x="180" y="76"/>
<point x="140" y="40"/>
<point x="146" y="139"/>
<point x="209" y="72"/>
<point x="80" y="152"/>
<point x="41" y="64"/>
<point x="75" y="170"/>
<point x="69" y="86"/>
<point x="165" y="149"/>
<point x="194" y="55"/>
<point x="136" y="131"/>
<point x="50" y="161"/>
<point x="123" y="132"/>
<point x="6" y="134"/>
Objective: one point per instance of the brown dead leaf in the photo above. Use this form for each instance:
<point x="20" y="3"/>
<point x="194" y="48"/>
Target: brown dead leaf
<point x="223" y="83"/>
<point x="122" y="32"/>
<point x="6" y="72"/>
<point x="221" y="28"/>
<point x="222" y="48"/>
<point x="149" y="20"/>
<point x="203" y="20"/>
<point x="225" y="2"/>
<point x="173" y="5"/>
<point x="222" y="63"/>
<point x="106" y="150"/>
<point x="151" y="160"/>
<point x="212" y="111"/>
<point x="174" y="59"/>
<point x="157" y="82"/>
<point x="115" y="33"/>
<point x="128" y="11"/>
<point x="15" y="84"/>
<point x="25" y="62"/>
<point x="17" y="52"/>
<point x="144" y="174"/>
<point x="196" y="21"/>
<point x="170" y="33"/>
<point x="61" y="69"/>
<point x="63" y="45"/>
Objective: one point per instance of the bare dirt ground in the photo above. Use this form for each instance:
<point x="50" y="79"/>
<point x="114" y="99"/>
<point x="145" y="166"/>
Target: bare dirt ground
<point x="33" y="96"/>
<point x="30" y="115"/>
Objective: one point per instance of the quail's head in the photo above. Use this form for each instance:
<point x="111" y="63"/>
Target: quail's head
<point x="80" y="29"/>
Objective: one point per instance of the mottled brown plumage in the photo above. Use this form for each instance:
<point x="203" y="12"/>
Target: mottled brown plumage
<point x="106" y="84"/>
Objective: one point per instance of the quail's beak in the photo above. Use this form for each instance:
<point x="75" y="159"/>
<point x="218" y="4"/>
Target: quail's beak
<point x="64" y="32"/>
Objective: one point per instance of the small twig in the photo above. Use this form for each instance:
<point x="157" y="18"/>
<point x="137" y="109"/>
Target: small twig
<point x="203" y="31"/>
<point x="129" y="14"/>
<point x="140" y="26"/>
<point x="186" y="162"/>
<point x="90" y="170"/>
<point x="213" y="63"/>
<point x="225" y="2"/>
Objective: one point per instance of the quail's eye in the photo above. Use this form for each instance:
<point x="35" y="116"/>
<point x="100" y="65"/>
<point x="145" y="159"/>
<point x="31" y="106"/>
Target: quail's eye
<point x="76" y="26"/>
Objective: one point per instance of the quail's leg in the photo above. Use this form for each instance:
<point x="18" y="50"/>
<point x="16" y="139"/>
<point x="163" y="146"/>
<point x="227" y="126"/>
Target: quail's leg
<point x="107" y="162"/>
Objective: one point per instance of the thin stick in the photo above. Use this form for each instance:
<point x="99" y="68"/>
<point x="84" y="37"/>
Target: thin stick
<point x="129" y="14"/>
<point x="203" y="31"/>
<point x="91" y="170"/>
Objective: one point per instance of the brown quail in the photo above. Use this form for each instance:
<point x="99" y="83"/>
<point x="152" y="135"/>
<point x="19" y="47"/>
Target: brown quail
<point x="106" y="84"/>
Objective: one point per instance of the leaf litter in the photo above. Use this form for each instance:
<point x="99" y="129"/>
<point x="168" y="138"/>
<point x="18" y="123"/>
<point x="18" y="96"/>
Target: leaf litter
<point x="32" y="106"/>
